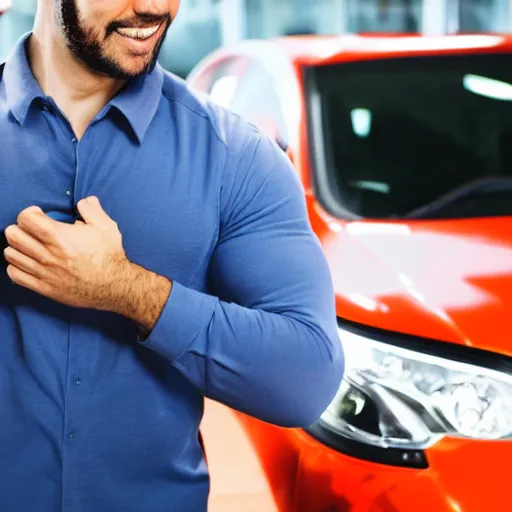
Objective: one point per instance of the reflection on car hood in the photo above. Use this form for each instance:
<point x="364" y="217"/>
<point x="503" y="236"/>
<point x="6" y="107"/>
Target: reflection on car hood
<point x="447" y="280"/>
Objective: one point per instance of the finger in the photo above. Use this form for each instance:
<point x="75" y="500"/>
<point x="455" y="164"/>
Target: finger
<point x="21" y="278"/>
<point x="34" y="209"/>
<point x="26" y="244"/>
<point x="35" y="222"/>
<point x="92" y="212"/>
<point x="23" y="262"/>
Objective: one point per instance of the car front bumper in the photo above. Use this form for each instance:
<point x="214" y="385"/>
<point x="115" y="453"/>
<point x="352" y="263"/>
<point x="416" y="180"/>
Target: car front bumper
<point x="307" y="476"/>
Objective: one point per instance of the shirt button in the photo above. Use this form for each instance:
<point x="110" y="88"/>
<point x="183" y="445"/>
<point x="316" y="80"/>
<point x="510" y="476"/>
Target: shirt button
<point x="78" y="381"/>
<point x="71" y="435"/>
<point x="74" y="140"/>
<point x="68" y="192"/>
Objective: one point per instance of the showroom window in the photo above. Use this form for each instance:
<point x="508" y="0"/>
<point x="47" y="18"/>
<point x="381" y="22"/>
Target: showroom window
<point x="484" y="15"/>
<point x="278" y="18"/>
<point x="289" y="17"/>
<point x="16" y="22"/>
<point x="195" y="32"/>
<point x="401" y="16"/>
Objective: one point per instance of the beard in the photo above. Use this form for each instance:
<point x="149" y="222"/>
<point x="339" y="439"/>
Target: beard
<point x="88" y="46"/>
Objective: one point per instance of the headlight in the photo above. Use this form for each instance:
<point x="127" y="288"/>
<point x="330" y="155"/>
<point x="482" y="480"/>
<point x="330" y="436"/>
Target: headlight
<point x="394" y="397"/>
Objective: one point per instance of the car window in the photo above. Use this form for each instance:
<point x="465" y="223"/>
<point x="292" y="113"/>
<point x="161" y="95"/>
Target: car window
<point x="257" y="101"/>
<point x="396" y="136"/>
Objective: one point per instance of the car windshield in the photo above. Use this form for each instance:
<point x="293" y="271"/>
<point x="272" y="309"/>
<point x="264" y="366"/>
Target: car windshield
<point x="424" y="137"/>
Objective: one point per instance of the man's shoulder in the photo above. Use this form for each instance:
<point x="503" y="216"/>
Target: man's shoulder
<point x="235" y="133"/>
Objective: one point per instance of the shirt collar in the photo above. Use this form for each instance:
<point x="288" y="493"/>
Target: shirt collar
<point x="138" y="100"/>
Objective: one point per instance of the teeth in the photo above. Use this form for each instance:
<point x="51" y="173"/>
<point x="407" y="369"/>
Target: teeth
<point x="138" y="33"/>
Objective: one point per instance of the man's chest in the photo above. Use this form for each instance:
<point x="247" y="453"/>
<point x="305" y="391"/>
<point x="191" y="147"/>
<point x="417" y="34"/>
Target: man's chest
<point x="164" y="199"/>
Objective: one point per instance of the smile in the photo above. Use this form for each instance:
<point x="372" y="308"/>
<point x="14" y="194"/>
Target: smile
<point x="138" y="33"/>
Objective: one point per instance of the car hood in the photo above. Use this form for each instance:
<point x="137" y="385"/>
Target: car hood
<point x="446" y="280"/>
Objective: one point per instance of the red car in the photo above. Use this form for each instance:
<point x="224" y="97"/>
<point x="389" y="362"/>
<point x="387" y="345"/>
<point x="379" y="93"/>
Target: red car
<point x="5" y="5"/>
<point x="404" y="148"/>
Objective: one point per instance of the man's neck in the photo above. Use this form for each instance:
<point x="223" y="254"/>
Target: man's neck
<point x="79" y="93"/>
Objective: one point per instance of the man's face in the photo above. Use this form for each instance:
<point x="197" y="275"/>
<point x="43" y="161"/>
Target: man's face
<point x="116" y="38"/>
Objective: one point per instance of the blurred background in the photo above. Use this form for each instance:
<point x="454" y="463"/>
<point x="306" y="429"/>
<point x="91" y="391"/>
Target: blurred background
<point x="203" y="25"/>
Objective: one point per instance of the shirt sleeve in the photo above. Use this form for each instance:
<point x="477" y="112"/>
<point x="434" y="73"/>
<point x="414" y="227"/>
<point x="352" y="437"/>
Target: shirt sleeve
<point x="266" y="343"/>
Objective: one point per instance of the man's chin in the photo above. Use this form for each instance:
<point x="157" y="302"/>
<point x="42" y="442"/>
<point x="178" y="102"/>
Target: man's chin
<point x="130" y="64"/>
<point x="132" y="71"/>
<point x="128" y="68"/>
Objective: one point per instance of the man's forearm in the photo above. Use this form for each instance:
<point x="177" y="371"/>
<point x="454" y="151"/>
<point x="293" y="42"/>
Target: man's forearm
<point x="141" y="296"/>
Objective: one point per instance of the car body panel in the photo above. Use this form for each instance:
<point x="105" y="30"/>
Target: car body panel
<point x="446" y="280"/>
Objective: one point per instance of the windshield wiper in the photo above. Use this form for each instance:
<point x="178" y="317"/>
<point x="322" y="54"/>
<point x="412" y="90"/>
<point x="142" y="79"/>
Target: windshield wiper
<point x="476" y="187"/>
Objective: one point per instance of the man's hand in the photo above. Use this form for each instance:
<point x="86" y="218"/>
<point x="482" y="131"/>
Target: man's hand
<point x="75" y="264"/>
<point x="83" y="265"/>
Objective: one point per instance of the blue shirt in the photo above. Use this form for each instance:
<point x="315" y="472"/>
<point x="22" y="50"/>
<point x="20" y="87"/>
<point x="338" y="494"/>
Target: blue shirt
<point x="92" y="419"/>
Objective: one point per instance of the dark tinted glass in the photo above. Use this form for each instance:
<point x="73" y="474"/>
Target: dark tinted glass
<point x="398" y="135"/>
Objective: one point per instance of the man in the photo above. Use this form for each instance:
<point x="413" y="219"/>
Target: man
<point x="157" y="251"/>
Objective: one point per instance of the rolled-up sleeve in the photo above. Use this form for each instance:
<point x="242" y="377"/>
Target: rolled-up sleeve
<point x="265" y="342"/>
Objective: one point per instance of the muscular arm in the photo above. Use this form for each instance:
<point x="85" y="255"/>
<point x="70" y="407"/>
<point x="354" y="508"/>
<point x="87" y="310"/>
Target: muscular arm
<point x="266" y="343"/>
